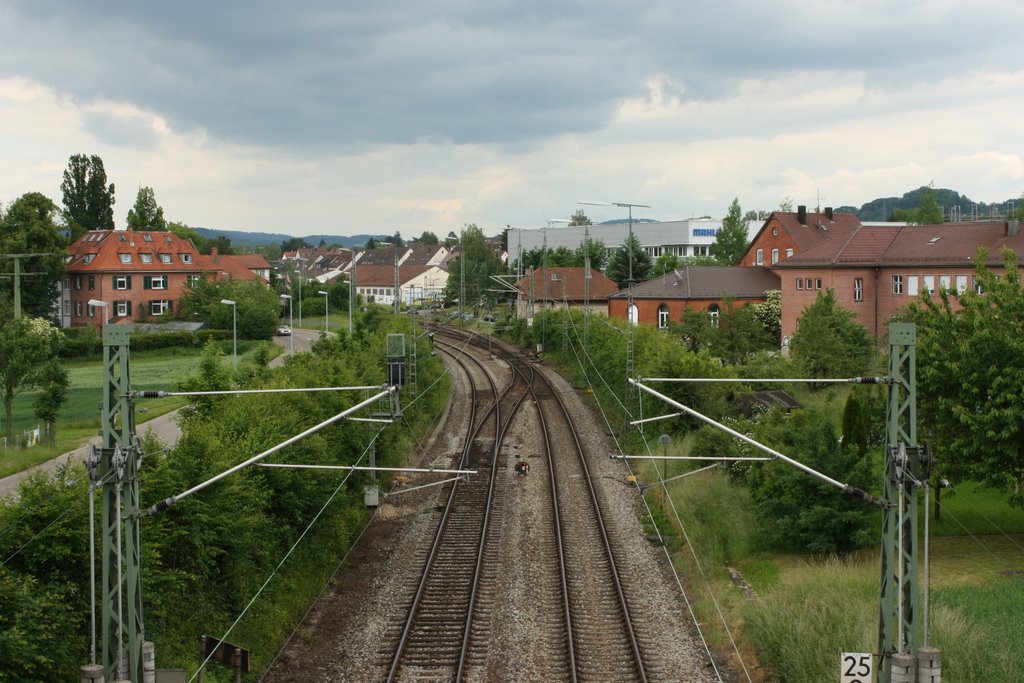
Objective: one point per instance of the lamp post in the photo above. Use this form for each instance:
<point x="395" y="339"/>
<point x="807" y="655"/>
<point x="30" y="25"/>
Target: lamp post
<point x="291" y="320"/>
<point x="105" y="306"/>
<point x="352" y="292"/>
<point x="462" y="271"/>
<point x="327" y="322"/>
<point x="234" y="329"/>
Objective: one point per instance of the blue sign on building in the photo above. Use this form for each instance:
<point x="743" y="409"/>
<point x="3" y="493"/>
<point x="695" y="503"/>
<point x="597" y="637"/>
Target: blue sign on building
<point x="704" y="232"/>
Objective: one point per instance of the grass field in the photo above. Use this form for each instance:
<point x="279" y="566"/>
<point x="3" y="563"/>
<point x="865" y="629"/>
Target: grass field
<point x="80" y="417"/>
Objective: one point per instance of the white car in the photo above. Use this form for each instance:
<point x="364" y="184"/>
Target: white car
<point x="283" y="332"/>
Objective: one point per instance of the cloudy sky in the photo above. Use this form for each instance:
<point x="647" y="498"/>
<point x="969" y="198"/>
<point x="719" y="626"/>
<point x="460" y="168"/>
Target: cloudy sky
<point x="350" y="117"/>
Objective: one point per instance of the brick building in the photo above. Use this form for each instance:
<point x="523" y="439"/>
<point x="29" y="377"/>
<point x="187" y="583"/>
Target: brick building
<point x="138" y="274"/>
<point x="559" y="287"/>
<point x="664" y="298"/>
<point x="875" y="270"/>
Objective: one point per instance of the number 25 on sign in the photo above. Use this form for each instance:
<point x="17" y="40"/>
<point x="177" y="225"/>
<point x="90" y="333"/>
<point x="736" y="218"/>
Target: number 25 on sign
<point x="857" y="667"/>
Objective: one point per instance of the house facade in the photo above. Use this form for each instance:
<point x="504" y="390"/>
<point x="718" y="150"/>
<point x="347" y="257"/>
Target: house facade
<point x="874" y="270"/>
<point x="137" y="274"/>
<point x="563" y="288"/>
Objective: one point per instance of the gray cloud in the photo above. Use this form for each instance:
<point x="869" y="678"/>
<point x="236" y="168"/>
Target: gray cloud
<point x="321" y="75"/>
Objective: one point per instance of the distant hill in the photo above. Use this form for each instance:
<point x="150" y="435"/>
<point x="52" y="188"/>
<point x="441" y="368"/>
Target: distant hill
<point x="955" y="206"/>
<point x="254" y="239"/>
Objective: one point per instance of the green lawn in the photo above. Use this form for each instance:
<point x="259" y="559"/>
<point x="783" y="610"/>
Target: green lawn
<point x="80" y="417"/>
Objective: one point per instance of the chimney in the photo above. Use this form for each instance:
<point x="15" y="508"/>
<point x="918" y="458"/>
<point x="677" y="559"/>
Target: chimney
<point x="828" y="212"/>
<point x="213" y="252"/>
<point x="1011" y="228"/>
<point x="801" y="214"/>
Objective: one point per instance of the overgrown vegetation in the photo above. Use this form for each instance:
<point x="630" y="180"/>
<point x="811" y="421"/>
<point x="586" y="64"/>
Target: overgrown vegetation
<point x="227" y="544"/>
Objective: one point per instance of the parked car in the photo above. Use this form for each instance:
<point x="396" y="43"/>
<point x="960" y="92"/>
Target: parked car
<point x="490" y="318"/>
<point x="283" y="332"/>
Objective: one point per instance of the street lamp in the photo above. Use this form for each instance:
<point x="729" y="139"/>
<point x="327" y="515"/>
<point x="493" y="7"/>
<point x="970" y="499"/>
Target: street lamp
<point x="234" y="329"/>
<point x="352" y="296"/>
<point x="326" y="319"/>
<point x="291" y="320"/>
<point x="105" y="306"/>
<point x="462" y="271"/>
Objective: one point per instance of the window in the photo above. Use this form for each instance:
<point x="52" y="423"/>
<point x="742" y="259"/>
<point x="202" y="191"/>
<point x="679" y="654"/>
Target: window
<point x="192" y="280"/>
<point x="662" y="317"/>
<point x="125" y="258"/>
<point x="858" y="289"/>
<point x="912" y="285"/>
<point x="146" y="258"/>
<point x="978" y="289"/>
<point x="799" y="283"/>
<point x="929" y="283"/>
<point x="760" y="257"/>
<point x="789" y="252"/>
<point x="88" y="258"/>
<point x="808" y="284"/>
<point x="78" y="282"/>
<point x="897" y="284"/>
<point x="92" y="282"/>
<point x="775" y="256"/>
<point x="146" y="236"/>
<point x="159" y="307"/>
<point x="817" y="283"/>
<point x="154" y="282"/>
<point x="944" y="282"/>
<point x="122" y="282"/>
<point x="123" y="308"/>
<point x="186" y="258"/>
<point x="961" y="284"/>
<point x="165" y="258"/>
<point x="78" y="308"/>
<point x="631" y="314"/>
<point x="713" y="314"/>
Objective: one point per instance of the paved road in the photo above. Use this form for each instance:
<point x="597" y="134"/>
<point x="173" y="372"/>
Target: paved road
<point x="165" y="426"/>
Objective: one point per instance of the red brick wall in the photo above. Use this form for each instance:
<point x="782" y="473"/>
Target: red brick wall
<point x="768" y="241"/>
<point x="647" y="309"/>
<point x="137" y="295"/>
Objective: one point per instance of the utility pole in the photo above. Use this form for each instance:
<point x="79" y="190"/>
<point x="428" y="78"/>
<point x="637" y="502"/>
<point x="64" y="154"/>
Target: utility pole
<point x="17" y="277"/>
<point x="901" y="623"/>
<point x="122" y="625"/>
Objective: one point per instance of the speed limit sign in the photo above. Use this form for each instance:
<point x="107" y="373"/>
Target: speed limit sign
<point x="856" y="667"/>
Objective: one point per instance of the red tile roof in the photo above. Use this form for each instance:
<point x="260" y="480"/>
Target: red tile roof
<point x="125" y="250"/>
<point x="567" y="283"/>
<point x="707" y="282"/>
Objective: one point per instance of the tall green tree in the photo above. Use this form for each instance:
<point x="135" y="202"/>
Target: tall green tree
<point x="426" y="237"/>
<point x="146" y="214"/>
<point x="598" y="254"/>
<point x="481" y="262"/>
<point x="619" y="263"/>
<point x="733" y="335"/>
<point x="828" y="341"/>
<point x="580" y="218"/>
<point x="88" y="199"/>
<point x="53" y="394"/>
<point x="27" y="345"/>
<point x="29" y="227"/>
<point x="731" y="240"/>
<point x="970" y="364"/>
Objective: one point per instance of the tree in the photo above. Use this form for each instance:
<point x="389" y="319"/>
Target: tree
<point x="769" y="312"/>
<point x="732" y="336"/>
<point x="427" y="237"/>
<point x="970" y="361"/>
<point x="53" y="383"/>
<point x="731" y="240"/>
<point x="598" y="254"/>
<point x="580" y="218"/>
<point x="26" y="346"/>
<point x="396" y="239"/>
<point x="927" y="211"/>
<point x="481" y="262"/>
<point x="828" y="342"/>
<point x="88" y="200"/>
<point x="146" y="214"/>
<point x="786" y="205"/>
<point x="294" y="244"/>
<point x="28" y="227"/>
<point x="619" y="264"/>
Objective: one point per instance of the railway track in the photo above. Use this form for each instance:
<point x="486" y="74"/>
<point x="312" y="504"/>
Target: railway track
<point x="446" y="633"/>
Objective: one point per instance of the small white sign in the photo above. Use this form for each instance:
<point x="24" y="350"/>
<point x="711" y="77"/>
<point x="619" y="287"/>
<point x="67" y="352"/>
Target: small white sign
<point x="857" y="667"/>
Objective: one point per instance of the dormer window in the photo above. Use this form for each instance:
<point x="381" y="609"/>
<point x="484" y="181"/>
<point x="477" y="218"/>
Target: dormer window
<point x="125" y="258"/>
<point x="165" y="258"/>
<point x="186" y="258"/>
<point x="146" y="258"/>
<point x="147" y="237"/>
<point x="88" y="258"/>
